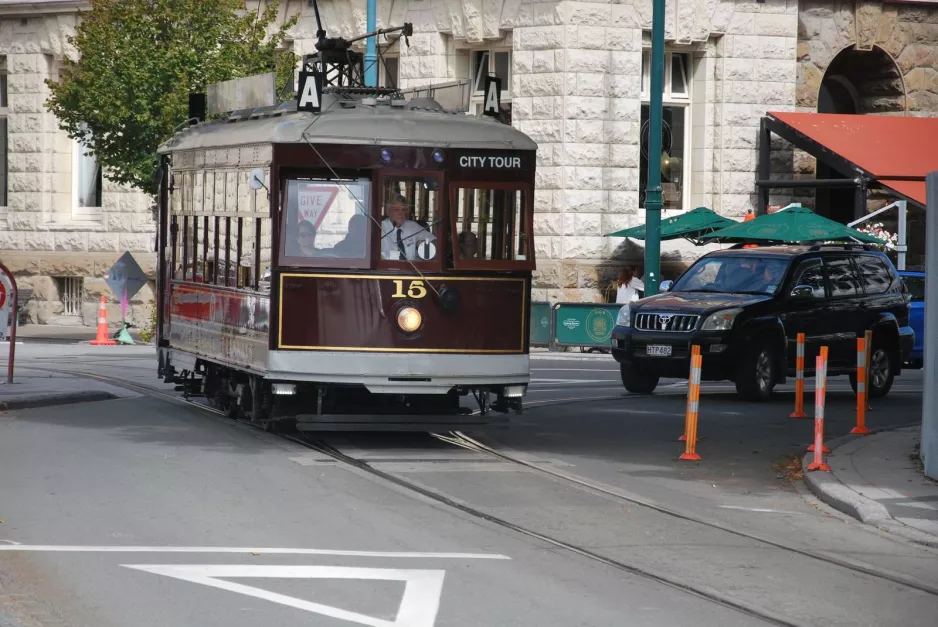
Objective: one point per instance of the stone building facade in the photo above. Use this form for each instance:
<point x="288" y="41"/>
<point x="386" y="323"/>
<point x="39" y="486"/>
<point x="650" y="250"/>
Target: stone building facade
<point x="62" y="224"/>
<point x="575" y="77"/>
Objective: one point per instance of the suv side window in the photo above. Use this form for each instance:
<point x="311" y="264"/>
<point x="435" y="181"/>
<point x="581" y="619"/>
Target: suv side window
<point x="874" y="275"/>
<point x="840" y="274"/>
<point x="916" y="285"/>
<point x="811" y="273"/>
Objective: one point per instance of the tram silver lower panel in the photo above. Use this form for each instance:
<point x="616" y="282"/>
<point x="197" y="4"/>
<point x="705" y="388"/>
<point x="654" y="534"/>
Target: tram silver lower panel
<point x="399" y="373"/>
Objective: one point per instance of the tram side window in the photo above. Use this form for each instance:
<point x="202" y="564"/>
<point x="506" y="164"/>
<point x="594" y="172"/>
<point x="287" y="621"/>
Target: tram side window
<point x="326" y="220"/>
<point x="409" y="218"/>
<point x="492" y="225"/>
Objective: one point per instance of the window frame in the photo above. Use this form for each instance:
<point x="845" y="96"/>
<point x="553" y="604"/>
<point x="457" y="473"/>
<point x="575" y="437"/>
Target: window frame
<point x="77" y="209"/>
<point x="288" y="262"/>
<point x="482" y="264"/>
<point x="477" y="96"/>
<point x="670" y="99"/>
<point x="438" y="231"/>
<point x="383" y="71"/>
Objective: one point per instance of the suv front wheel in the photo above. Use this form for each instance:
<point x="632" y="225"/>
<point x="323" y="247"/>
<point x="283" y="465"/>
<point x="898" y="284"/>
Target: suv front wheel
<point x="755" y="376"/>
<point x="636" y="381"/>
<point x="881" y="373"/>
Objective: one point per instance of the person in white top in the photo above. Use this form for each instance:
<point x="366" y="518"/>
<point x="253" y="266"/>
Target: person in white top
<point x="402" y="238"/>
<point x="628" y="286"/>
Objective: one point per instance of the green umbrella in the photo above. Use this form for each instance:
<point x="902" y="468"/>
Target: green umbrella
<point x="690" y="225"/>
<point x="797" y="225"/>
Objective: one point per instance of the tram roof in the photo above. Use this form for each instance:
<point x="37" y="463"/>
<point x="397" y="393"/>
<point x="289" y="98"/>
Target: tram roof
<point x="421" y="122"/>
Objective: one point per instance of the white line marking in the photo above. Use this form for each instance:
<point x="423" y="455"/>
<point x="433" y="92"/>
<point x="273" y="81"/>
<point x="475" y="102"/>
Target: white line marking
<point x="761" y="510"/>
<point x="418" y="608"/>
<point x="269" y="551"/>
<point x="576" y="369"/>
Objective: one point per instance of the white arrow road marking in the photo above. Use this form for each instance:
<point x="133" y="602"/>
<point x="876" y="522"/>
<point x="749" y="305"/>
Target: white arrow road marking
<point x="418" y="608"/>
<point x="52" y="548"/>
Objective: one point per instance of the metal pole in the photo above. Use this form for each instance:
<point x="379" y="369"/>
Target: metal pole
<point x="653" y="203"/>
<point x="15" y="314"/>
<point x="903" y="233"/>
<point x="371" y="55"/>
<point x="929" y="446"/>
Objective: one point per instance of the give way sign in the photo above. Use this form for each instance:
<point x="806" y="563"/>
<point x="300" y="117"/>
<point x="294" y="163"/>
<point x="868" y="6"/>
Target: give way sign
<point x="314" y="202"/>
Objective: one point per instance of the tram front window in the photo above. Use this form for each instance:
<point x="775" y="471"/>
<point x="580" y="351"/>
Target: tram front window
<point x="493" y="225"/>
<point x="409" y="219"/>
<point x="326" y="220"/>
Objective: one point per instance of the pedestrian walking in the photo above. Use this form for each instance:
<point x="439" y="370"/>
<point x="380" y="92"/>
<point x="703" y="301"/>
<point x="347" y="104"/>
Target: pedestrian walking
<point x="628" y="286"/>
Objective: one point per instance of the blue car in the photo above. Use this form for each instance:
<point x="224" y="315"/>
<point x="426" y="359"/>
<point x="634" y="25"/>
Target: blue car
<point x="915" y="281"/>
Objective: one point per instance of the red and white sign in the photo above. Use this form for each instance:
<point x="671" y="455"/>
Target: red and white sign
<point x="3" y="294"/>
<point x="314" y="202"/>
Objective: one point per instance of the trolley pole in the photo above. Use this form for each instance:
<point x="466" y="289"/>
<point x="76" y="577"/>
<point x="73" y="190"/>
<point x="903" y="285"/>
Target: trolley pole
<point x="653" y="203"/>
<point x="371" y="55"/>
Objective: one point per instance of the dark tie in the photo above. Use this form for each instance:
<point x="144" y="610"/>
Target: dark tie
<point x="400" y="245"/>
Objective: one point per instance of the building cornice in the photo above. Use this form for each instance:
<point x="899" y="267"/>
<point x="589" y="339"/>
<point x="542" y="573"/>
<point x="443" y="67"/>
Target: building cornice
<point x="13" y="8"/>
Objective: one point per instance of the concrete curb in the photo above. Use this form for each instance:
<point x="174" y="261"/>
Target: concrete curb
<point x="49" y="400"/>
<point x="829" y="489"/>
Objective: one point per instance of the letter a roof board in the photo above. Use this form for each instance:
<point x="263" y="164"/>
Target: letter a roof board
<point x="125" y="274"/>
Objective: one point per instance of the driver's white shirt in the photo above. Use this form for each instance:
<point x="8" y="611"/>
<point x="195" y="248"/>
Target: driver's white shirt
<point x="412" y="234"/>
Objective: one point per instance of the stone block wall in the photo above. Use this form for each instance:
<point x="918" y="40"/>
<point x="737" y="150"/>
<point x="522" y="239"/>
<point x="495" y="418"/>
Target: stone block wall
<point x="43" y="233"/>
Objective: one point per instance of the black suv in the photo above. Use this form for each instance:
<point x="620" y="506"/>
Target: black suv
<point x="744" y="307"/>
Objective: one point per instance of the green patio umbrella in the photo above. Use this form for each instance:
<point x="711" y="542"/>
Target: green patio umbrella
<point x="797" y="225"/>
<point x="690" y="225"/>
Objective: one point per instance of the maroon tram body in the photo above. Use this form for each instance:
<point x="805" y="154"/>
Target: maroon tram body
<point x="365" y="267"/>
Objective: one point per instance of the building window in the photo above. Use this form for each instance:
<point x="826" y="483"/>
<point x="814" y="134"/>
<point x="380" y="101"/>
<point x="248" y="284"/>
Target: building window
<point x="491" y="62"/>
<point x="389" y="76"/>
<point x="87" y="179"/>
<point x="70" y="292"/>
<point x="675" y="130"/>
<point x="4" y="134"/>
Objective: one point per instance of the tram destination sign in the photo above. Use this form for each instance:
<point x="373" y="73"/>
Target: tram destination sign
<point x="498" y="160"/>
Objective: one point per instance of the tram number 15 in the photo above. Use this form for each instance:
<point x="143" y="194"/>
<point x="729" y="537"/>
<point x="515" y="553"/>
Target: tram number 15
<point x="415" y="289"/>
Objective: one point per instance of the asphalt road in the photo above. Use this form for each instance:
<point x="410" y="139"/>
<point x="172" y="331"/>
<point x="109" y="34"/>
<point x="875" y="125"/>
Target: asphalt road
<point x="203" y="499"/>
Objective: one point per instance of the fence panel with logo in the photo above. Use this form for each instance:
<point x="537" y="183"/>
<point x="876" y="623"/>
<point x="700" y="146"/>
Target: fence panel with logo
<point x="584" y="324"/>
<point x="540" y="324"/>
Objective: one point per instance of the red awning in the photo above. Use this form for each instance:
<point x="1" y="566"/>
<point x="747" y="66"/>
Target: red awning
<point x="890" y="149"/>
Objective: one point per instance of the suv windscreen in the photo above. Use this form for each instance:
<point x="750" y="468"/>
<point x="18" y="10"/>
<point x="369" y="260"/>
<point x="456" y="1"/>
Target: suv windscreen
<point x="734" y="274"/>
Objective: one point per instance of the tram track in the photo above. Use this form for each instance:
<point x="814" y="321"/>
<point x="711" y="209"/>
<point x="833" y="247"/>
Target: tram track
<point x="461" y="440"/>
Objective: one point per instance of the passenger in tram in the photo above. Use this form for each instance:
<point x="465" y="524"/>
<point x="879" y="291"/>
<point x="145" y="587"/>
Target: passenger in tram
<point x="399" y="234"/>
<point x="306" y="240"/>
<point x="353" y="244"/>
<point x="468" y="245"/>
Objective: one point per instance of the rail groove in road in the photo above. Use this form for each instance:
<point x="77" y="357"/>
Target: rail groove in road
<point x="461" y="440"/>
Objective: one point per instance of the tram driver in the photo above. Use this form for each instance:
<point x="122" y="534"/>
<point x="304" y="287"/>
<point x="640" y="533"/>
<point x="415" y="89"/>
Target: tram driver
<point x="400" y="236"/>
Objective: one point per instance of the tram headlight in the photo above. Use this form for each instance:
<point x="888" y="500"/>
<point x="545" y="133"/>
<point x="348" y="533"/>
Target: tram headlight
<point x="409" y="319"/>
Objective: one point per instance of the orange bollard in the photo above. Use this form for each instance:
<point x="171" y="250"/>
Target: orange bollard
<point x="799" y="379"/>
<point x="693" y="403"/>
<point x="102" y="338"/>
<point x="862" y="362"/>
<point x="820" y="389"/>
<point x="694" y="351"/>
<point x="823" y="357"/>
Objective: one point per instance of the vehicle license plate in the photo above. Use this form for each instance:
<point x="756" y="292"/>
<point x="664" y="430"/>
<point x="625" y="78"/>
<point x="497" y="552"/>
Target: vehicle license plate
<point x="658" y="351"/>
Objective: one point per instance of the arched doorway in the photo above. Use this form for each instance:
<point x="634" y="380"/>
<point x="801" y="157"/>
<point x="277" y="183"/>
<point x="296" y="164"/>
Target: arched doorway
<point x="856" y="82"/>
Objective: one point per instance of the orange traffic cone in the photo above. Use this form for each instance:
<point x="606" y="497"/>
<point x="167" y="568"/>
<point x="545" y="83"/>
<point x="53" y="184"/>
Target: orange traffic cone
<point x="102" y="338"/>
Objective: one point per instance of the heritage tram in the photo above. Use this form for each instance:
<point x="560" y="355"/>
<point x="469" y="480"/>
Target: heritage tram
<point x="365" y="266"/>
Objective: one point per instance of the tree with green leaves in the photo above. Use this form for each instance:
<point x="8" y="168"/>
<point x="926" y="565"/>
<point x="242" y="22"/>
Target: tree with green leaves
<point x="138" y="62"/>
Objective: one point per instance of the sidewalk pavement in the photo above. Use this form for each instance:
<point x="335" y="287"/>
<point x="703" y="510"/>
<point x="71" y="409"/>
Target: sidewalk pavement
<point x="33" y="388"/>
<point x="64" y="334"/>
<point x="879" y="480"/>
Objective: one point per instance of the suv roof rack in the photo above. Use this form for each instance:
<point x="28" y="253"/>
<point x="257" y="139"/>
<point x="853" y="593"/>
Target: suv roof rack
<point x="846" y="246"/>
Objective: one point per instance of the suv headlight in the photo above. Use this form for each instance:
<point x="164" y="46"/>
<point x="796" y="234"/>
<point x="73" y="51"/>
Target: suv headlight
<point x="624" y="319"/>
<point x="720" y="320"/>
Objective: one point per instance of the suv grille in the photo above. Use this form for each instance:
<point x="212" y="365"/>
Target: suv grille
<point x="665" y="322"/>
